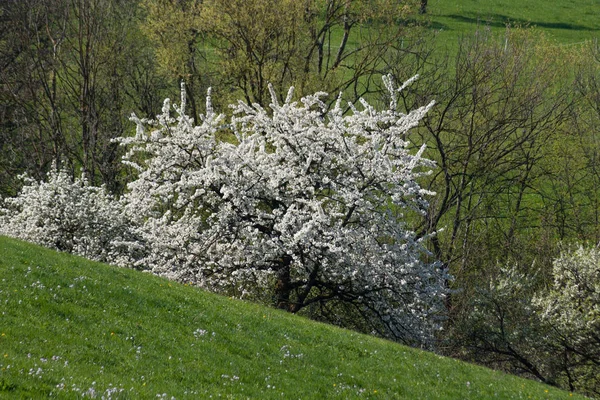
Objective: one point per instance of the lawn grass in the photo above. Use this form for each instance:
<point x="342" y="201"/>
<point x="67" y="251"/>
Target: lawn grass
<point x="566" y="22"/>
<point x="71" y="328"/>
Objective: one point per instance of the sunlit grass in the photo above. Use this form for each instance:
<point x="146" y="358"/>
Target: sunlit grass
<point x="71" y="328"/>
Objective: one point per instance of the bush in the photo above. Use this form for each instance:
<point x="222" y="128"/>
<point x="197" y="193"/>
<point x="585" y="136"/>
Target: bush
<point x="550" y="334"/>
<point x="571" y="309"/>
<point x="69" y="215"/>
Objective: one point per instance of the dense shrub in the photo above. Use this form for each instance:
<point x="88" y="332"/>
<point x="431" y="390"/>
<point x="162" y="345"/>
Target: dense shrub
<point x="571" y="309"/>
<point x="70" y="215"/>
<point x="547" y="333"/>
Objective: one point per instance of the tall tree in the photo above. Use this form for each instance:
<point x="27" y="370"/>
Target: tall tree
<point x="334" y="45"/>
<point x="494" y="124"/>
<point x="68" y="78"/>
<point x="177" y="31"/>
<point x="32" y="127"/>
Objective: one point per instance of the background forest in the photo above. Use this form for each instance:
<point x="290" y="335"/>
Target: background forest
<point x="515" y="135"/>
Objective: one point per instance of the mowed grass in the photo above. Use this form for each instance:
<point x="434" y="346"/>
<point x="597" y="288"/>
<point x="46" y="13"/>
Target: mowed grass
<point x="71" y="328"/>
<point x="564" y="21"/>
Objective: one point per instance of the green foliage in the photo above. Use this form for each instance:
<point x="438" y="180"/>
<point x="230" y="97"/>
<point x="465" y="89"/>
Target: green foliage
<point x="71" y="327"/>
<point x="177" y="34"/>
<point x="334" y="46"/>
<point x="496" y="119"/>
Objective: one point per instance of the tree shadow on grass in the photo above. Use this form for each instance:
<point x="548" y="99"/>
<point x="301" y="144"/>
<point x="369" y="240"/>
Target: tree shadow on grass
<point x="438" y="26"/>
<point x="499" y="20"/>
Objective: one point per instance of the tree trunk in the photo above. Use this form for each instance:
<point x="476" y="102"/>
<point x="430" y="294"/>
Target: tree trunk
<point x="283" y="287"/>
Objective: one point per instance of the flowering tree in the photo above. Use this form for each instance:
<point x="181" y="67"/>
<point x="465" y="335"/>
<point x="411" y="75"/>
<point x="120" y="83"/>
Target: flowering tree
<point x="70" y="215"/>
<point x="300" y="205"/>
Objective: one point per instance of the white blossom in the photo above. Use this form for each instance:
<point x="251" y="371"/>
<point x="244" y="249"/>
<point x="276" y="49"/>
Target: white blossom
<point x="70" y="215"/>
<point x="572" y="304"/>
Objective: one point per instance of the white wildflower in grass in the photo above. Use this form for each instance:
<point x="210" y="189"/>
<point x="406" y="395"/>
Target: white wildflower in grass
<point x="199" y="333"/>
<point x="301" y="205"/>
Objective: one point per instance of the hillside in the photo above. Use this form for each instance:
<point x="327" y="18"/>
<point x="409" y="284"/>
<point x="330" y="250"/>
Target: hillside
<point x="71" y="328"/>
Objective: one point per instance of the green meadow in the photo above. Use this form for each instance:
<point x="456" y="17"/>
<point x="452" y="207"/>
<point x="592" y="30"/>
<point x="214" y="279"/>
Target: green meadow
<point x="566" y="22"/>
<point x="71" y="328"/>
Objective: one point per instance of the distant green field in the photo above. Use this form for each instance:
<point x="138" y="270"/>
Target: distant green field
<point x="565" y="21"/>
<point x="70" y="328"/>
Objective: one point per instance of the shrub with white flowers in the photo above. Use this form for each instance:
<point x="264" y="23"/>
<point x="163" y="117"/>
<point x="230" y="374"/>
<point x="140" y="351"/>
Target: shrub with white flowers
<point x="298" y="204"/>
<point x="548" y="333"/>
<point x="69" y="215"/>
<point x="571" y="307"/>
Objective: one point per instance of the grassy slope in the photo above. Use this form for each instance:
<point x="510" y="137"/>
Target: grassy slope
<point x="69" y="326"/>
<point x="565" y="21"/>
